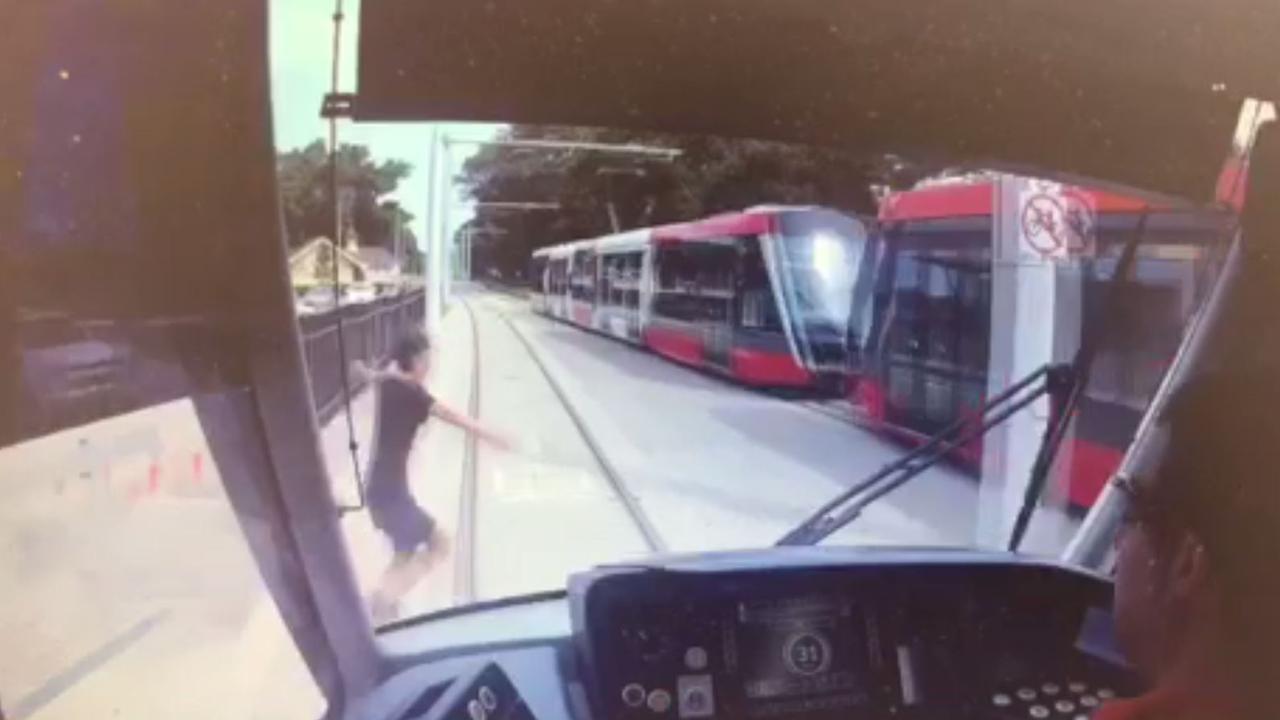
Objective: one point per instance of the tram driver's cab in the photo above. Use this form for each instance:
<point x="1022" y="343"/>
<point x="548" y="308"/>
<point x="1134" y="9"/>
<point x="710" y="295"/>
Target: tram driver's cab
<point x="778" y="632"/>
<point x="798" y="633"/>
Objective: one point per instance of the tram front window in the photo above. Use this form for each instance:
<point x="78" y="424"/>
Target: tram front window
<point x="822" y="257"/>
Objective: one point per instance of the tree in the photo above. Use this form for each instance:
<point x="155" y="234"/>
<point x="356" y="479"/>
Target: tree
<point x="303" y="176"/>
<point x="711" y="175"/>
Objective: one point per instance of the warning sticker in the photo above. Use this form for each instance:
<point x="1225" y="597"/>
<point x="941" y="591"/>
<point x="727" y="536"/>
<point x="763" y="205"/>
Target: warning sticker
<point x="1055" y="222"/>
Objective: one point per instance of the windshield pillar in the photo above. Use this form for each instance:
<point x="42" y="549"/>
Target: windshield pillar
<point x="1036" y="317"/>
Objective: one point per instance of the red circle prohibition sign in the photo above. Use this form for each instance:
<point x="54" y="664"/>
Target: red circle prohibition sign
<point x="1044" y="224"/>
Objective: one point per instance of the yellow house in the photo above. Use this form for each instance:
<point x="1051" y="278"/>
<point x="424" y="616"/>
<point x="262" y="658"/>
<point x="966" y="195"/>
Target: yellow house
<point x="312" y="265"/>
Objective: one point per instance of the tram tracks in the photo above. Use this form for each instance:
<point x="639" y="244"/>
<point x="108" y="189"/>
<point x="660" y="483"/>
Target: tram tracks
<point x="653" y="540"/>
<point x="465" y="554"/>
<point x="464" y="568"/>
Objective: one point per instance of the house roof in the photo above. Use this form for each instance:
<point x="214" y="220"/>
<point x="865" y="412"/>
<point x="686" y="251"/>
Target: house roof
<point x="322" y="240"/>
<point x="376" y="258"/>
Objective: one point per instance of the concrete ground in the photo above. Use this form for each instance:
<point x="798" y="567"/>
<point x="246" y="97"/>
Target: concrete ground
<point x="128" y="589"/>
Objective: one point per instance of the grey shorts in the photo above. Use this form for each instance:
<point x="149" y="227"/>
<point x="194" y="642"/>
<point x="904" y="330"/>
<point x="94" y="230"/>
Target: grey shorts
<point x="404" y="522"/>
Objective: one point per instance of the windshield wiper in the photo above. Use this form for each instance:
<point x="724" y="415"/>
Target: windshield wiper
<point x="848" y="505"/>
<point x="1065" y="382"/>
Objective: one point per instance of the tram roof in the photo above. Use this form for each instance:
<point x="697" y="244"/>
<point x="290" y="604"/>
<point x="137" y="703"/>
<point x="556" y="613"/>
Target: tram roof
<point x="628" y="240"/>
<point x="717" y="226"/>
<point x="977" y="199"/>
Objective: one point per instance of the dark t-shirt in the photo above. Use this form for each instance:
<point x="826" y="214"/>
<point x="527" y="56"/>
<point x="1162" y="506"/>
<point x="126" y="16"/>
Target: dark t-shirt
<point x="402" y="406"/>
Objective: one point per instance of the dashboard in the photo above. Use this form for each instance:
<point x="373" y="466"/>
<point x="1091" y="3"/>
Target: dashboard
<point x="814" y="634"/>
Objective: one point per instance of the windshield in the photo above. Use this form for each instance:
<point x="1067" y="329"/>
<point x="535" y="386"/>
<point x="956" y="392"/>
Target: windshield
<point x="691" y="371"/>
<point x="821" y="259"/>
<point x="508" y="352"/>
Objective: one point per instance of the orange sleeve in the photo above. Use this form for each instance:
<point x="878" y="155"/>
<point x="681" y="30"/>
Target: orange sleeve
<point x="1120" y="710"/>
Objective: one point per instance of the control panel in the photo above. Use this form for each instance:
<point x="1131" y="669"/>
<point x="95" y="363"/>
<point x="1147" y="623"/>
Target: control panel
<point x="915" y="640"/>
<point x="484" y="693"/>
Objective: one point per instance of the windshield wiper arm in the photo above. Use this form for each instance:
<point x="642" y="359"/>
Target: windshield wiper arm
<point x="848" y="505"/>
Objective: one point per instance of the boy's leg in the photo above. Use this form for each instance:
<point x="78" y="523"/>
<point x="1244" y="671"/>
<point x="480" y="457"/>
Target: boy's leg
<point x="404" y="572"/>
<point x="385" y="600"/>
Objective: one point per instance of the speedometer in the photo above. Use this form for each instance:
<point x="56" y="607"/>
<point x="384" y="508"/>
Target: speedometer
<point x="799" y="649"/>
<point x="807" y="653"/>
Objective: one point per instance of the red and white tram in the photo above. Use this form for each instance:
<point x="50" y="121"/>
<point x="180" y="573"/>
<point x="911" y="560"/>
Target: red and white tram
<point x="922" y="358"/>
<point x="763" y="296"/>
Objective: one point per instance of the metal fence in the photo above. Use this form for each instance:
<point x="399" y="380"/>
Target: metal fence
<point x="369" y="331"/>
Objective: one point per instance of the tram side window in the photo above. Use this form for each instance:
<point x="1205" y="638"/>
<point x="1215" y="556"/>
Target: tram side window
<point x="607" y="279"/>
<point x="1145" y="322"/>
<point x="941" y="300"/>
<point x="940" y="304"/>
<point x="618" y="283"/>
<point x="536" y="267"/>
<point x="936" y="325"/>
<point x="695" y="282"/>
<point x="582" y="284"/>
<point x="614" y="279"/>
<point x="632" y="262"/>
<point x="620" y="280"/>
<point x="975" y="319"/>
<point x="905" y="299"/>
<point x="589" y="277"/>
<point x="759" y="308"/>
<point x="555" y="277"/>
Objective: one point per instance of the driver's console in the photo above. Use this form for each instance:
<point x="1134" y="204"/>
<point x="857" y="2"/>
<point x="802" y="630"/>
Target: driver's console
<point x="782" y="634"/>
<point x="918" y="639"/>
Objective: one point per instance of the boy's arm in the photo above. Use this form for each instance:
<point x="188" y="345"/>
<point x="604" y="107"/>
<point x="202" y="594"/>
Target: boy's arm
<point x="464" y="421"/>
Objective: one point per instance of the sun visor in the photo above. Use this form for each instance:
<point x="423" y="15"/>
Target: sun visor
<point x="1144" y="92"/>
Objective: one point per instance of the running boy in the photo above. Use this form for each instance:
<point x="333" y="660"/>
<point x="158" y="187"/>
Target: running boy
<point x="403" y="405"/>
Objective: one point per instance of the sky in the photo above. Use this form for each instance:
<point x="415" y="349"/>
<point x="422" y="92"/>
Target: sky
<point x="301" y="57"/>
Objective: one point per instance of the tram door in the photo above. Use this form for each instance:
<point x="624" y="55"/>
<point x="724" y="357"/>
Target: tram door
<point x="939" y="329"/>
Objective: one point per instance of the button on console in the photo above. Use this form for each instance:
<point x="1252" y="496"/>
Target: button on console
<point x="695" y="697"/>
<point x="633" y="695"/>
<point x="659" y="701"/>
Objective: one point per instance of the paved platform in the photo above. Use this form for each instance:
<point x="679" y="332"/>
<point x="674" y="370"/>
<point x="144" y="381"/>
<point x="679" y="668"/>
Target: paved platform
<point x="128" y="588"/>
<point x="519" y="521"/>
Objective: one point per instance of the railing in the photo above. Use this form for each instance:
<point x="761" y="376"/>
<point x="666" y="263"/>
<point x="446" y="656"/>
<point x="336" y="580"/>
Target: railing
<point x="369" y="332"/>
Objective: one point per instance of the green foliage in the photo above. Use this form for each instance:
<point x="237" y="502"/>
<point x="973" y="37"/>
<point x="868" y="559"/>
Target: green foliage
<point x="303" y="176"/>
<point x="711" y="175"/>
